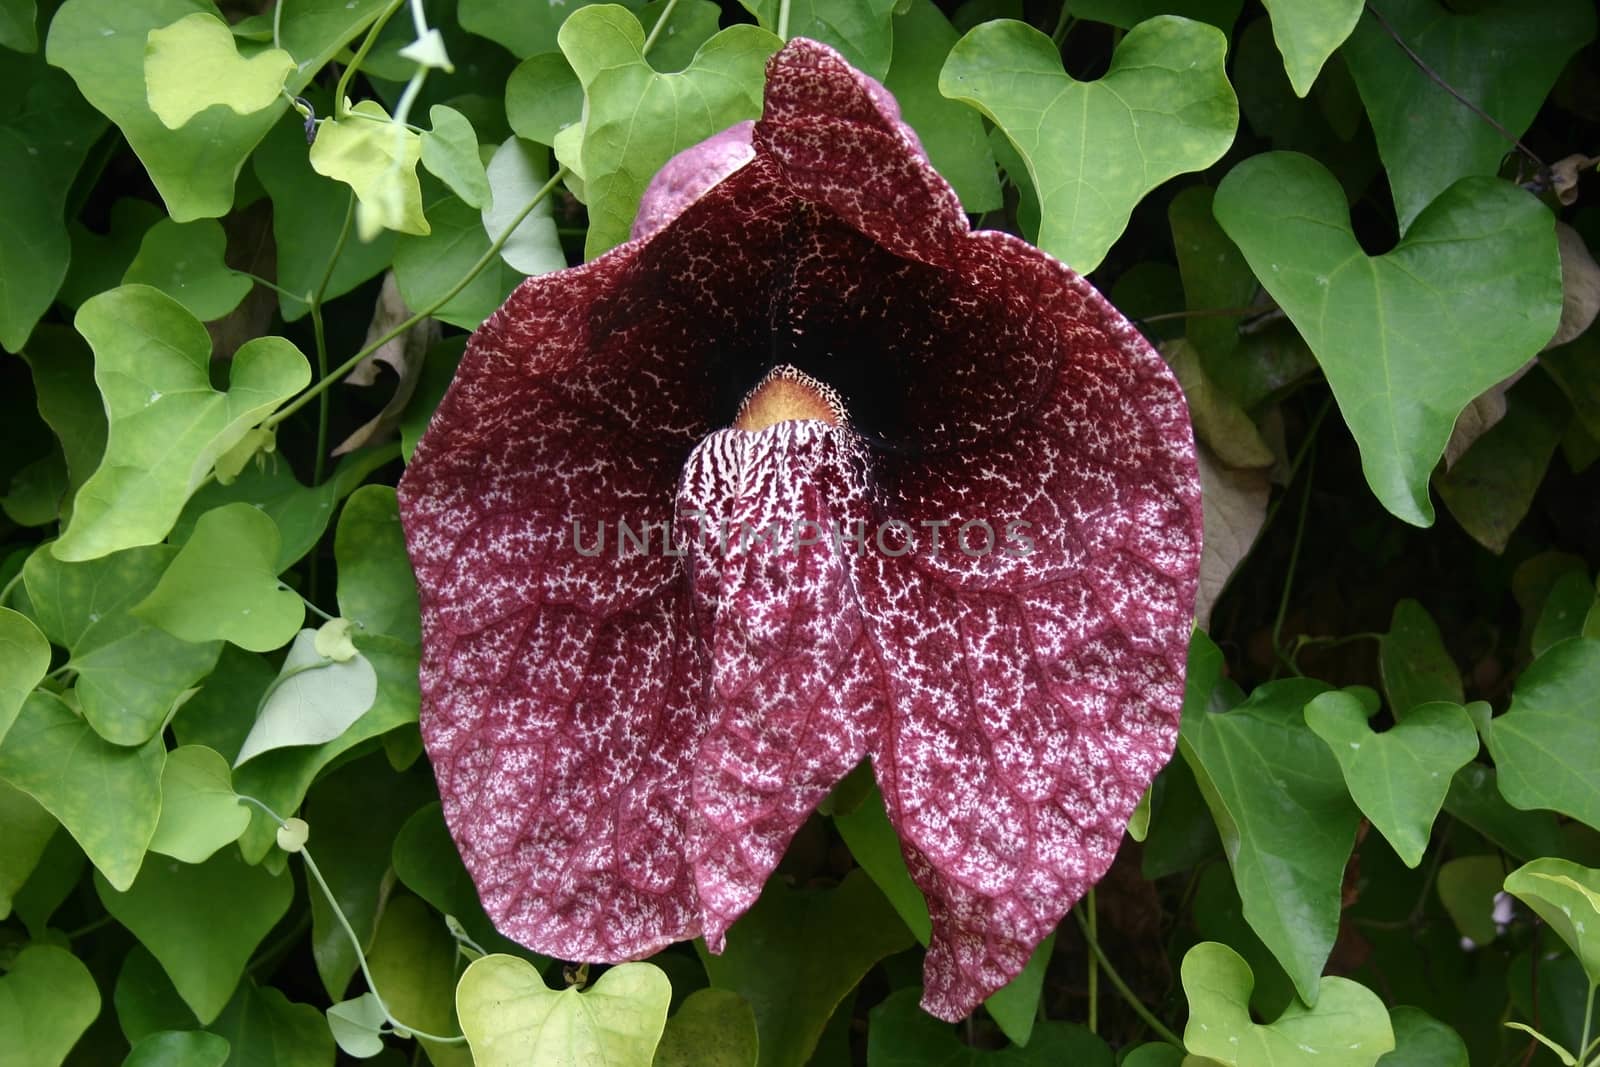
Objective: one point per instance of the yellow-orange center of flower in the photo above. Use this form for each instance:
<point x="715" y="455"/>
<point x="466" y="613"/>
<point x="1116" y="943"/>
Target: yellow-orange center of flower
<point x="788" y="395"/>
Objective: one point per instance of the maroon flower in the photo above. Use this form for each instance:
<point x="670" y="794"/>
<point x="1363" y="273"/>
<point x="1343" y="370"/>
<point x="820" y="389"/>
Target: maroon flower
<point x="809" y="472"/>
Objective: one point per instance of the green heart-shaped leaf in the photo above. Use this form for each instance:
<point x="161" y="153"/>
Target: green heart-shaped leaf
<point x="952" y="134"/>
<point x="101" y="43"/>
<point x="524" y="29"/>
<point x="1544" y="745"/>
<point x="511" y="1018"/>
<point x="860" y="29"/>
<point x="1477" y="276"/>
<point x="1529" y="43"/>
<point x="200" y="812"/>
<point x="1420" y="1040"/>
<point x="29" y="828"/>
<point x="47" y="1000"/>
<point x="223" y="584"/>
<point x="900" y="1034"/>
<point x="179" y="1048"/>
<point x="1307" y="35"/>
<point x="308" y="213"/>
<point x="1094" y="149"/>
<point x="1397" y="778"/>
<point x="429" y="267"/>
<point x="450" y="152"/>
<point x="107" y="796"/>
<point x="712" y="1028"/>
<point x="194" y="64"/>
<point x="130" y="673"/>
<point x="515" y="173"/>
<point x="186" y="261"/>
<point x="635" y="119"/>
<point x="314" y="699"/>
<point x="167" y="425"/>
<point x="1467" y="887"/>
<point x="204" y="959"/>
<point x="1417" y="668"/>
<point x="1348" y="1026"/>
<point x="1286" y="820"/>
<point x="1567" y="897"/>
<point x="24" y="658"/>
<point x="377" y="158"/>
<point x="828" y="940"/>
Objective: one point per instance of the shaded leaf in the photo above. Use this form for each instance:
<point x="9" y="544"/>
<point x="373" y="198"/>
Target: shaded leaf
<point x="108" y="797"/>
<point x="1287" y="823"/>
<point x="308" y="215"/>
<point x="1347" y="1019"/>
<point x="266" y="1029"/>
<point x="301" y="512"/>
<point x="179" y="1048"/>
<point x="861" y="30"/>
<point x="29" y="828"/>
<point x="429" y="267"/>
<point x="204" y="960"/>
<point x="1417" y="668"/>
<point x="1490" y="489"/>
<point x="635" y="118"/>
<point x="1126" y="14"/>
<point x="1215" y="277"/>
<point x="413" y="959"/>
<point x="900" y="1034"/>
<point x="952" y="134"/>
<point x="1467" y="887"/>
<point x="1544" y="746"/>
<point x="1531" y="45"/>
<point x="223" y="584"/>
<point x="1580" y="286"/>
<point x="24" y="659"/>
<point x="47" y="1000"/>
<point x="1476" y="275"/>
<point x="63" y="379"/>
<point x="511" y="1018"/>
<point x="828" y="939"/>
<point x="167" y="425"/>
<point x="355" y="816"/>
<point x="712" y="1028"/>
<point x="1164" y="108"/>
<point x="525" y="29"/>
<point x="1398" y="778"/>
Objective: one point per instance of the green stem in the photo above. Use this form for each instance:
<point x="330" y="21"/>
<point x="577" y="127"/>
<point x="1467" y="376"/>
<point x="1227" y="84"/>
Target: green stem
<point x="361" y="53"/>
<point x="1094" y="964"/>
<point x="1294" y="563"/>
<point x="319" y="464"/>
<point x="312" y="607"/>
<point x="783" y="20"/>
<point x="661" y="24"/>
<point x="355" y="942"/>
<point x="1144" y="1013"/>
<point x="488" y="257"/>
<point x="274" y="286"/>
<point x="1064" y="21"/>
<point x="1588" y="1020"/>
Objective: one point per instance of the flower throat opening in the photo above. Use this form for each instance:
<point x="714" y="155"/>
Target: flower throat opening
<point x="787" y="394"/>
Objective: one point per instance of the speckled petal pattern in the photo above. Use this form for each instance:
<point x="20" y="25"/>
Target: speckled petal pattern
<point x="629" y="714"/>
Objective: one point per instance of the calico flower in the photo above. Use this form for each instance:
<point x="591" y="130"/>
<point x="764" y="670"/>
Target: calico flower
<point x="807" y="473"/>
